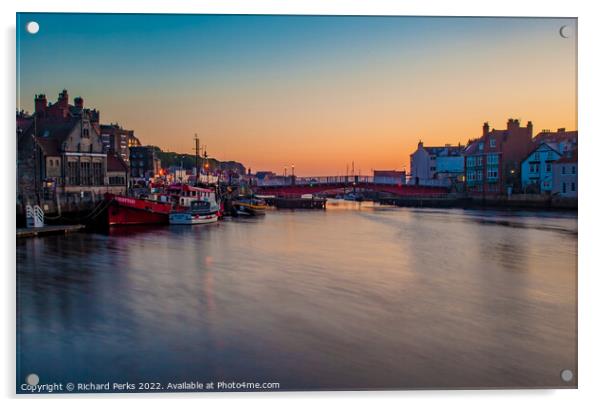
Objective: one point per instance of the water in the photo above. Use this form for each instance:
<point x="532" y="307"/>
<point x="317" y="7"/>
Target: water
<point x="354" y="297"/>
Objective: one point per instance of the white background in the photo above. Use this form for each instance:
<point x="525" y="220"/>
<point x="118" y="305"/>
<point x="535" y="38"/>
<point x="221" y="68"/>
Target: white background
<point x="590" y="173"/>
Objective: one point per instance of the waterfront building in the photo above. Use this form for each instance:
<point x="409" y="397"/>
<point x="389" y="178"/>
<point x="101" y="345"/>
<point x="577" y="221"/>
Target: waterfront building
<point x="436" y="165"/>
<point x="536" y="168"/>
<point x="493" y="161"/>
<point x="117" y="170"/>
<point x="563" y="139"/>
<point x="144" y="163"/>
<point x="564" y="175"/>
<point x="119" y="140"/>
<point x="389" y="177"/>
<point x="61" y="163"/>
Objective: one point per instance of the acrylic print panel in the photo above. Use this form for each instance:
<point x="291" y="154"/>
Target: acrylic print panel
<point x="277" y="203"/>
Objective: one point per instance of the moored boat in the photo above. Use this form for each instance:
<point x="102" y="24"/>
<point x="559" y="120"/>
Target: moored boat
<point x="249" y="207"/>
<point x="199" y="212"/>
<point x="125" y="210"/>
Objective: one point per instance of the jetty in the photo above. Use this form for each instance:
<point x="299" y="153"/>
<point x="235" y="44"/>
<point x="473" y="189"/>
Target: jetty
<point x="48" y="230"/>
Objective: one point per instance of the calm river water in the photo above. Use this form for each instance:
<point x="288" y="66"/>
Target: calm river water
<point x="353" y="297"/>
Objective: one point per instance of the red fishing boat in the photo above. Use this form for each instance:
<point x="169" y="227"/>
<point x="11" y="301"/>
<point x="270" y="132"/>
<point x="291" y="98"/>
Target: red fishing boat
<point x="125" y="210"/>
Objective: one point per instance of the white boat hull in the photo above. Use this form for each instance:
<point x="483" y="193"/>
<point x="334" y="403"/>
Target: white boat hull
<point x="184" y="218"/>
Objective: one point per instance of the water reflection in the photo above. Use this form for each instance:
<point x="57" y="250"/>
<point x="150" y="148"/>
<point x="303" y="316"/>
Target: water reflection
<point x="357" y="296"/>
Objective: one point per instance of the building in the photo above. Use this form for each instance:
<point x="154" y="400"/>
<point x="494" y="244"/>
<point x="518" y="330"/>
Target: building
<point x="436" y="163"/>
<point x="61" y="163"/>
<point x="536" y="168"/>
<point x="564" y="140"/>
<point x="118" y="140"/>
<point x="389" y="177"/>
<point x="493" y="161"/>
<point x="564" y="174"/>
<point x="144" y="163"/>
<point x="117" y="170"/>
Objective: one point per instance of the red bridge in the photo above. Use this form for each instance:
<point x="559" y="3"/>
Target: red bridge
<point x="341" y="185"/>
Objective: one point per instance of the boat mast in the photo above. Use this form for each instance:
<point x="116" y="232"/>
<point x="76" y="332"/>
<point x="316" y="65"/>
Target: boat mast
<point x="196" y="157"/>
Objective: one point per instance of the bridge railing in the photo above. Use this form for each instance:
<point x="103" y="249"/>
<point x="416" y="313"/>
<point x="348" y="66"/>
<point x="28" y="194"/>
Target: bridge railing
<point x="322" y="180"/>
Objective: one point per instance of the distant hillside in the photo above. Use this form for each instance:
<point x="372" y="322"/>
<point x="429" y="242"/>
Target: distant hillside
<point x="187" y="161"/>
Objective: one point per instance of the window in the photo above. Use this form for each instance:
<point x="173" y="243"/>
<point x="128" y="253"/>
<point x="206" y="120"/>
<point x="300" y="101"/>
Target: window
<point x="574" y="169"/>
<point x="72" y="173"/>
<point x="573" y="186"/>
<point x="492" y="172"/>
<point x="479" y="175"/>
<point x="470" y="162"/>
<point x="564" y="187"/>
<point x="492" y="159"/>
<point x="563" y="170"/>
<point x="492" y="143"/>
<point x="548" y="167"/>
<point x="536" y="156"/>
<point x="480" y="160"/>
<point x="481" y="146"/>
<point x="86" y="133"/>
<point x="98" y="176"/>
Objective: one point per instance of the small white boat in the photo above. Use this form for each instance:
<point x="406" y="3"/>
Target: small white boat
<point x="200" y="212"/>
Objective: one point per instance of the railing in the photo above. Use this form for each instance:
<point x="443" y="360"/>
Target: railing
<point x="322" y="180"/>
<point x="34" y="216"/>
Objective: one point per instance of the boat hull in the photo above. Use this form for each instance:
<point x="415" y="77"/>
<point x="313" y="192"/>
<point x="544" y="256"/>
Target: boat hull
<point x="184" y="218"/>
<point x="133" y="211"/>
<point x="246" y="209"/>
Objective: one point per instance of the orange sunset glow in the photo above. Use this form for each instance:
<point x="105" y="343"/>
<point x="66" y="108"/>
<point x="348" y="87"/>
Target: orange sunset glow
<point x="316" y="92"/>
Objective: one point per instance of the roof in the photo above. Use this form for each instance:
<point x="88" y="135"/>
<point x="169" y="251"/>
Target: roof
<point x="388" y="173"/>
<point x="551" y="146"/>
<point x="568" y="157"/>
<point x="445" y="150"/>
<point x="500" y="137"/>
<point x="57" y="130"/>
<point x="557" y="136"/>
<point x="49" y="146"/>
<point x="115" y="163"/>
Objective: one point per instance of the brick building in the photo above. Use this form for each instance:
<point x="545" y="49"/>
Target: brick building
<point x="118" y="140"/>
<point x="493" y="161"/>
<point x="144" y="163"/>
<point x="60" y="157"/>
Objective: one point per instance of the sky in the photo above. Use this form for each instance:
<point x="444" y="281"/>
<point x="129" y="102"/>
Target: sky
<point x="316" y="92"/>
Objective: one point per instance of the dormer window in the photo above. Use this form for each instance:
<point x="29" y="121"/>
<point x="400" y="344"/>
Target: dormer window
<point x="481" y="146"/>
<point x="492" y="143"/>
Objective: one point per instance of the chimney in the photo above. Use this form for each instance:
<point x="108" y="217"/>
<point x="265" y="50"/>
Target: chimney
<point x="63" y="99"/>
<point x="561" y="129"/>
<point x="485" y="128"/>
<point x="79" y="102"/>
<point x="513" y="124"/>
<point x="530" y="128"/>
<point x="41" y="103"/>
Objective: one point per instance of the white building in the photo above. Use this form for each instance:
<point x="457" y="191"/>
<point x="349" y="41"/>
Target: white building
<point x="428" y="164"/>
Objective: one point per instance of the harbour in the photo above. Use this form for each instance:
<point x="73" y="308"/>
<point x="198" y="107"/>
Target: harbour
<point x="359" y="295"/>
